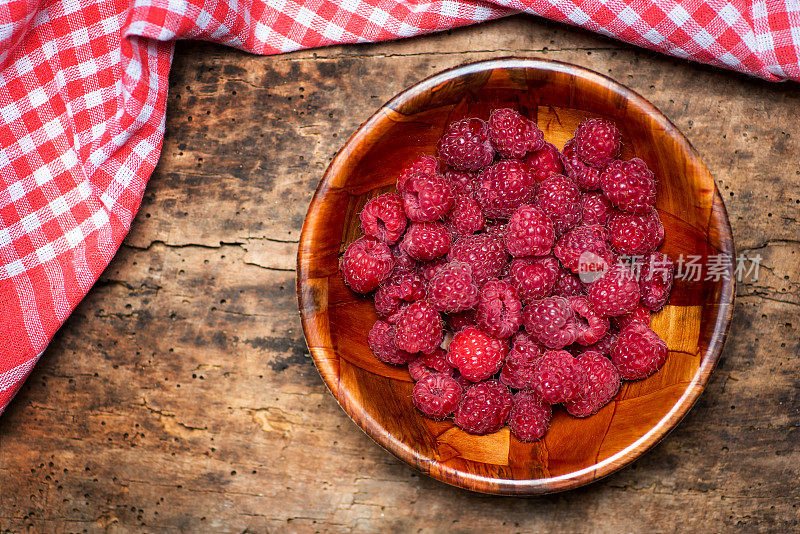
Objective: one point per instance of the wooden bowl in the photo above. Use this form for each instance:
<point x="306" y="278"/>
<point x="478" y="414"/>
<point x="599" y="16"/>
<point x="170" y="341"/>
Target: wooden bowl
<point x="378" y="396"/>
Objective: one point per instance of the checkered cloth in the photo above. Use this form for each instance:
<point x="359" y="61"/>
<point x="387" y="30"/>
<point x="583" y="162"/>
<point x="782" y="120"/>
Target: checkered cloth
<point x="83" y="86"/>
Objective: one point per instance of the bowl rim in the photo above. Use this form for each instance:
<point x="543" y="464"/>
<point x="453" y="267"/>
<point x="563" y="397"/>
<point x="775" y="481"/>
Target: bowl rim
<point x="444" y="473"/>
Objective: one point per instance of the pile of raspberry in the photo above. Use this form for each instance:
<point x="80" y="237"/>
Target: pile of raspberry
<point x="474" y="264"/>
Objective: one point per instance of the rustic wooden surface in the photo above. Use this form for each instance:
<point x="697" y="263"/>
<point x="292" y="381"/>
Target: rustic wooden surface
<point x="180" y="395"/>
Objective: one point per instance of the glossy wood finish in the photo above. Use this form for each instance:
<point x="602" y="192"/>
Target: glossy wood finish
<point x="377" y="396"/>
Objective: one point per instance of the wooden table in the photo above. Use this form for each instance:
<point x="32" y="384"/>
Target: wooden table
<point x="180" y="395"/>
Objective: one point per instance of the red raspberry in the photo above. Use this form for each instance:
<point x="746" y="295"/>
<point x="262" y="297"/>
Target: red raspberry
<point x="423" y="164"/>
<point x="639" y="315"/>
<point x="629" y="185"/>
<point x="452" y="289"/>
<point x="426" y="241"/>
<point x="529" y="418"/>
<point x="484" y="253"/>
<point x="381" y="341"/>
<point x="476" y="355"/>
<point x="567" y="284"/>
<point x="655" y="280"/>
<point x="517" y="371"/>
<point x="366" y="263"/>
<point x="499" y="312"/>
<point x="402" y="287"/>
<point x="504" y="187"/>
<point x="615" y="293"/>
<point x="436" y="395"/>
<point x="383" y="218"/>
<point x="544" y="162"/>
<point x="597" y="142"/>
<point x="496" y="228"/>
<point x="460" y="320"/>
<point x="602" y="383"/>
<point x="513" y="135"/>
<point x="418" y="329"/>
<point x="604" y="345"/>
<point x="425" y="364"/>
<point x="529" y="232"/>
<point x="428" y="269"/>
<point x="591" y="326"/>
<point x="560" y="199"/>
<point x="583" y="245"/>
<point x="638" y="352"/>
<point x="558" y="377"/>
<point x="587" y="178"/>
<point x="636" y="234"/>
<point x="551" y="322"/>
<point x="462" y="183"/>
<point x="427" y="197"/>
<point x="596" y="208"/>
<point x="402" y="261"/>
<point x="484" y="408"/>
<point x="465" y="145"/>
<point x="466" y="217"/>
<point x="533" y="278"/>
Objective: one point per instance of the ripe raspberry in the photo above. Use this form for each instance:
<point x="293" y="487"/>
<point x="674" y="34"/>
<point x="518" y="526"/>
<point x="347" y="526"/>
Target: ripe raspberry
<point x="517" y="371"/>
<point x="427" y="197"/>
<point x="402" y="261"/>
<point x="587" y="178"/>
<point x="551" y="322"/>
<point x="591" y="326"/>
<point x="638" y="352"/>
<point x="636" y="234"/>
<point x="629" y="185"/>
<point x="544" y="162"/>
<point x="558" y="377"/>
<point x="365" y="264"/>
<point x="484" y="253"/>
<point x="462" y="182"/>
<point x="426" y="241"/>
<point x="641" y="314"/>
<point x="466" y="217"/>
<point x="436" y="395"/>
<point x="401" y="288"/>
<point x="597" y="142"/>
<point x="383" y="218"/>
<point x="513" y="135"/>
<point x="499" y="312"/>
<point x="596" y="208"/>
<point x="560" y="199"/>
<point x="603" y="346"/>
<point x="655" y="280"/>
<point x="418" y="329"/>
<point x="602" y="383"/>
<point x="423" y="164"/>
<point x="428" y="269"/>
<point x="458" y="321"/>
<point x="465" y="145"/>
<point x="615" y="293"/>
<point x="504" y="187"/>
<point x="425" y="364"/>
<point x="573" y="247"/>
<point x="529" y="232"/>
<point x="533" y="278"/>
<point x="496" y="228"/>
<point x="529" y="418"/>
<point x="381" y="341"/>
<point x="452" y="289"/>
<point x="484" y="408"/>
<point x="476" y="355"/>
<point x="567" y="284"/>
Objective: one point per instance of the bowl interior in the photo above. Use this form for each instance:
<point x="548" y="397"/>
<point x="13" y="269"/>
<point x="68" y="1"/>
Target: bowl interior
<point x="378" y="396"/>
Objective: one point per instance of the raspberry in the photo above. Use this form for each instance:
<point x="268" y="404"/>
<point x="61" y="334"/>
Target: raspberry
<point x="426" y="241"/>
<point x="476" y="355"/>
<point x="428" y="269"/>
<point x="655" y="280"/>
<point x="381" y="341"/>
<point x="517" y="371"/>
<point x="529" y="232"/>
<point x="533" y="278"/>
<point x="551" y="322"/>
<point x="583" y="245"/>
<point x="427" y="197"/>
<point x="466" y="217"/>
<point x="602" y="383"/>
<point x="597" y="142"/>
<point x="451" y="289"/>
<point x="544" y="162"/>
<point x="595" y="208"/>
<point x="366" y="263"/>
<point x="587" y="178"/>
<point x="465" y="145"/>
<point x="499" y="312"/>
<point x="513" y="135"/>
<point x="383" y="218"/>
<point x="504" y="187"/>
<point x="484" y="253"/>
<point x="560" y="199"/>
<point x="402" y="287"/>
<point x="462" y="183"/>
<point x="558" y="377"/>
<point x="423" y="164"/>
<point x="425" y="364"/>
<point x="635" y="234"/>
<point x="567" y="284"/>
<point x="591" y="326"/>
<point x="529" y="418"/>
<point x="460" y="320"/>
<point x="603" y="346"/>
<point x="629" y="185"/>
<point x="615" y="293"/>
<point x="436" y="395"/>
<point x="484" y="408"/>
<point x="638" y="352"/>
<point x="496" y="228"/>
<point x="641" y="314"/>
<point x="418" y="329"/>
<point x="402" y="261"/>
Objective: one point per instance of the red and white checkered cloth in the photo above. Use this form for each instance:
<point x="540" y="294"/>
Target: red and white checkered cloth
<point x="83" y="86"/>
